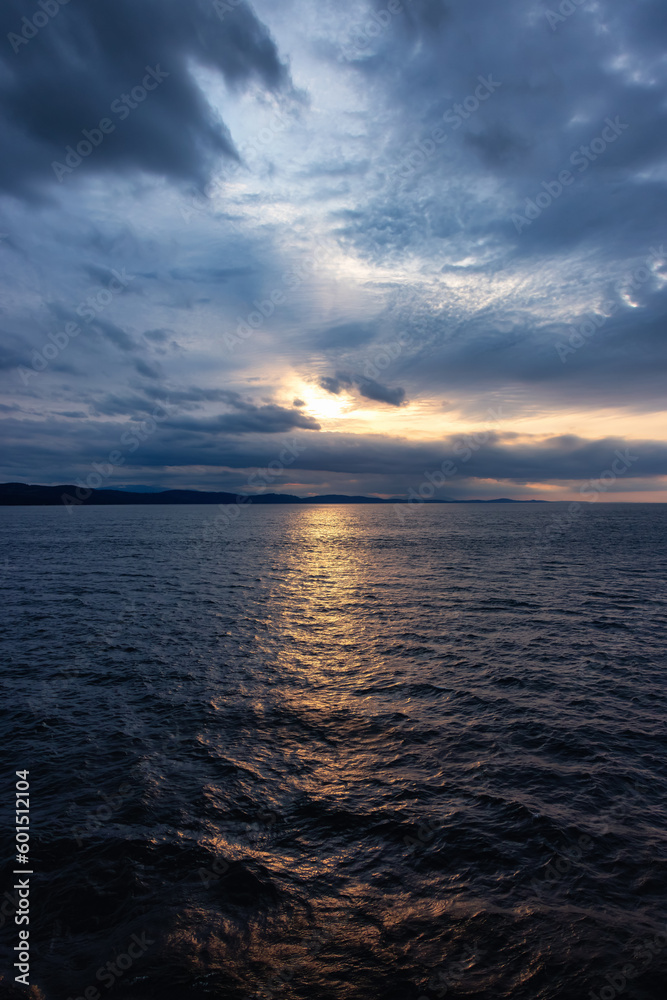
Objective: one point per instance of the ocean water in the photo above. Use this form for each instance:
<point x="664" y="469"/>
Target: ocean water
<point x="333" y="752"/>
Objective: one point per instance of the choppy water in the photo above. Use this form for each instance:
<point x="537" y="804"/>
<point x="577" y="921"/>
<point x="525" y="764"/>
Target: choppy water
<point x="329" y="755"/>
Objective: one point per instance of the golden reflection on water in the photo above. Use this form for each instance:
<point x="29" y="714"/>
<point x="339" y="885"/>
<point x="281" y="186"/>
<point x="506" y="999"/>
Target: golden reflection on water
<point x="326" y="750"/>
<point x="322" y="609"/>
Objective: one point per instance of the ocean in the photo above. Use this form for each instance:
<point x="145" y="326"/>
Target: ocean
<point x="340" y="752"/>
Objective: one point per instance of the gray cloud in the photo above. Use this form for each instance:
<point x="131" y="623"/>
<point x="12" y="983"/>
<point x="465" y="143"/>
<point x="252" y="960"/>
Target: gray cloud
<point x="67" y="78"/>
<point x="345" y="335"/>
<point x="245" y="441"/>
<point x="429" y="287"/>
<point x="366" y="387"/>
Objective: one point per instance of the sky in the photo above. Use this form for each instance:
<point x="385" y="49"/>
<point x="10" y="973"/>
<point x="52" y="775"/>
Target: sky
<point x="392" y="247"/>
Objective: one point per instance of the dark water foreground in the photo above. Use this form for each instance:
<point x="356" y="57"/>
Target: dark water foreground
<point x="322" y="753"/>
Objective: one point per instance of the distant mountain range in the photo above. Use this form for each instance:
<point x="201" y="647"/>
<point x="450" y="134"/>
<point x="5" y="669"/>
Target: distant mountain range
<point x="24" y="495"/>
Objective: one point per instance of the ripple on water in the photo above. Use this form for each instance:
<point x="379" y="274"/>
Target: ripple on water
<point x="339" y="756"/>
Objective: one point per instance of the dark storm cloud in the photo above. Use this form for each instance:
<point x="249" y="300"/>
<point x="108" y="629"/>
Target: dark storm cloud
<point x="247" y="418"/>
<point x="258" y="420"/>
<point x="366" y="387"/>
<point x="552" y="93"/>
<point x="334" y="385"/>
<point x="134" y="403"/>
<point x="370" y="389"/>
<point x="224" y="441"/>
<point x="487" y="456"/>
<point x="68" y="75"/>
<point x="424" y="232"/>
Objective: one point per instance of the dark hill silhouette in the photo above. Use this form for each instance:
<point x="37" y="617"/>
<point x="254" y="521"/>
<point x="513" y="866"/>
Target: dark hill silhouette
<point x="28" y="495"/>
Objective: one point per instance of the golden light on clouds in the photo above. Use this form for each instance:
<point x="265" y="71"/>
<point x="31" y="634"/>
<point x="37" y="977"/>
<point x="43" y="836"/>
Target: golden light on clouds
<point x="600" y="423"/>
<point x="323" y="405"/>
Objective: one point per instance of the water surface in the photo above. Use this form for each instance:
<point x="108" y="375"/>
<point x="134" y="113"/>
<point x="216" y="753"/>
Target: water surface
<point x="336" y="753"/>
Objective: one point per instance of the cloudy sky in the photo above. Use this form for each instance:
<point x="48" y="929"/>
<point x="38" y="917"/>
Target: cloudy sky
<point x="362" y="240"/>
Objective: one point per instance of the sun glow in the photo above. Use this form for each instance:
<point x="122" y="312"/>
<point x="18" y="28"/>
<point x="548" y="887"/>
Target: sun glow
<point x="324" y="405"/>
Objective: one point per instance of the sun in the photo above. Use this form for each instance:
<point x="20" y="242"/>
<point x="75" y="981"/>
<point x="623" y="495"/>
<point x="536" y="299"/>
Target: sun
<point x="324" y="405"/>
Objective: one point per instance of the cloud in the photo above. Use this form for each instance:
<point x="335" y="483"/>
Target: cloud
<point x="68" y="77"/>
<point x="195" y="450"/>
<point x="248" y="418"/>
<point x="345" y="335"/>
<point x="366" y="387"/>
<point x="114" y="334"/>
<point x="334" y="385"/>
<point x="157" y="336"/>
<point x="147" y="370"/>
<point x="427" y="290"/>
<point x="370" y="389"/>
